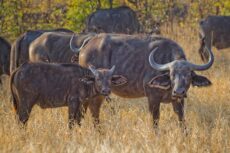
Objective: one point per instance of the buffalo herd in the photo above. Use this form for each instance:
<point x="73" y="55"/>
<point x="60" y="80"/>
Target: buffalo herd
<point x="56" y="68"/>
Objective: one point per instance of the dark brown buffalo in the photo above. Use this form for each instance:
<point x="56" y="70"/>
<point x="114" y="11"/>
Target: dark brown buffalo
<point x="20" y="48"/>
<point x="4" y="56"/>
<point x="214" y="30"/>
<point x="57" y="85"/>
<point x="165" y="77"/>
<point x="54" y="47"/>
<point x="116" y="20"/>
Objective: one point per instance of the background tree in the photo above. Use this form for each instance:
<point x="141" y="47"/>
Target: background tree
<point x="18" y="16"/>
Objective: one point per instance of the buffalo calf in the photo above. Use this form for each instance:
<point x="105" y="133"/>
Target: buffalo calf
<point x="57" y="85"/>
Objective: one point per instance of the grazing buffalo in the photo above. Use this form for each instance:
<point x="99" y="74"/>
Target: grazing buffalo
<point x="214" y="30"/>
<point x="4" y="56"/>
<point x="57" y="85"/>
<point x="54" y="47"/>
<point x="116" y="20"/>
<point x="165" y="77"/>
<point x="20" y="48"/>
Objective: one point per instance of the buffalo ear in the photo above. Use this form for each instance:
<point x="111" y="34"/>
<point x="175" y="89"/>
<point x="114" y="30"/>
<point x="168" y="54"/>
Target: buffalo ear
<point x="75" y="58"/>
<point x="118" y="80"/>
<point x="87" y="80"/>
<point x="160" y="81"/>
<point x="200" y="81"/>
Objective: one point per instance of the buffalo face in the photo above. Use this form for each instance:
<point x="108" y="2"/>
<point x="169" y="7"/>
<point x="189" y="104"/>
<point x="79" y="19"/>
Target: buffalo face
<point x="104" y="79"/>
<point x="180" y="75"/>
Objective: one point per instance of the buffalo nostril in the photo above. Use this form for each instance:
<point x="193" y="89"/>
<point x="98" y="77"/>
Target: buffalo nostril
<point x="179" y="92"/>
<point x="105" y="92"/>
<point x="174" y="92"/>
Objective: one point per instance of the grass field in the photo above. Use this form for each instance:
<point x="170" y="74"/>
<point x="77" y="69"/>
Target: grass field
<point x="127" y="127"/>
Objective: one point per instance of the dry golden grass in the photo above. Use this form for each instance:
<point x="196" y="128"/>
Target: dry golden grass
<point x="128" y="128"/>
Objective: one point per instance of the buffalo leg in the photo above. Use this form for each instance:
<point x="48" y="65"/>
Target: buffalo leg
<point x="1" y="72"/>
<point x="154" y="106"/>
<point x="205" y="41"/>
<point x="154" y="109"/>
<point x="23" y="112"/>
<point x="94" y="107"/>
<point x="178" y="108"/>
<point x="74" y="109"/>
<point x="201" y="49"/>
<point x="81" y="112"/>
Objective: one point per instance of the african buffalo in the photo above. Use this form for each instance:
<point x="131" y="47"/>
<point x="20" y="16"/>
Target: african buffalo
<point x="116" y="20"/>
<point x="20" y="48"/>
<point x="57" y="85"/>
<point x="54" y="47"/>
<point x="214" y="30"/>
<point x="4" y="56"/>
<point x="165" y="77"/>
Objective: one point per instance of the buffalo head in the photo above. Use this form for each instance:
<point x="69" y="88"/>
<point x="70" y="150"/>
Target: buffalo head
<point x="103" y="79"/>
<point x="180" y="75"/>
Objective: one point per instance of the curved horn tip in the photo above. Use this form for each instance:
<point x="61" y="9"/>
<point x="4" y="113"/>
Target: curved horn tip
<point x="74" y="49"/>
<point x="93" y="69"/>
<point x="113" y="68"/>
<point x="207" y="65"/>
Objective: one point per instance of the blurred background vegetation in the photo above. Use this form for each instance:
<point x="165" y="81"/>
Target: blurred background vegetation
<point x="18" y="16"/>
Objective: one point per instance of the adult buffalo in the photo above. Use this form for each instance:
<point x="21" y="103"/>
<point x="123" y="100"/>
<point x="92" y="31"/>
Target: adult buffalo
<point x="116" y="20"/>
<point x="165" y="77"/>
<point x="214" y="30"/>
<point x="4" y="56"/>
<point x="54" y="47"/>
<point x="20" y="48"/>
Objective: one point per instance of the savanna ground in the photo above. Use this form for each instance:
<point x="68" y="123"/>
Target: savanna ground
<point x="128" y="127"/>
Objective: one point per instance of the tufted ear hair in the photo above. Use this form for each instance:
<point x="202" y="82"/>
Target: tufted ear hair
<point x="75" y="58"/>
<point x="160" y="81"/>
<point x="87" y="80"/>
<point x="200" y="81"/>
<point x="118" y="80"/>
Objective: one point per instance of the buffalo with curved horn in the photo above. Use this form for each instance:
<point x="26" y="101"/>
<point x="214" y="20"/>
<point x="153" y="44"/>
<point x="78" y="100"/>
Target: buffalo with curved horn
<point x="20" y="48"/>
<point x="180" y="72"/>
<point x="165" y="77"/>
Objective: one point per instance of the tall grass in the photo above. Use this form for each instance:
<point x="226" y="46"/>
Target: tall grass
<point x="128" y="126"/>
